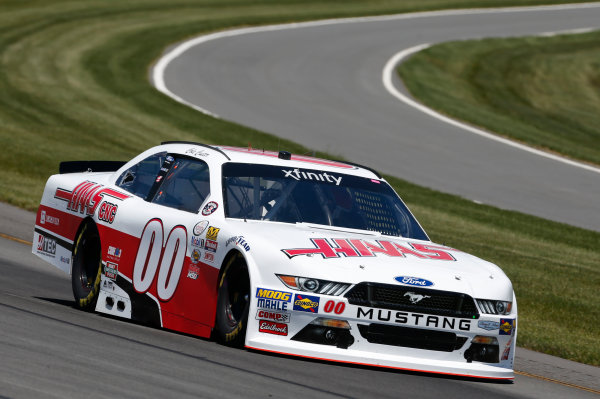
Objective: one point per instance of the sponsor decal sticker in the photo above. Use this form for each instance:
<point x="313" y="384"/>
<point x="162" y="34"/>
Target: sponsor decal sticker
<point x="209" y="256"/>
<point x="211" y="245"/>
<point x="416" y="281"/>
<point x="272" y="299"/>
<point x="114" y="252"/>
<point x="111" y="270"/>
<point x="65" y="259"/>
<point x="87" y="196"/>
<point x="298" y="175"/>
<point x="200" y="227"/>
<point x="279" y="317"/>
<point x="506" y="326"/>
<point x="212" y="233"/>
<point x="239" y="241"/>
<point x="488" y="325"/>
<point x="506" y="350"/>
<point x="271" y="327"/>
<point x="197" y="242"/>
<point x="45" y="218"/>
<point x="107" y="212"/>
<point x="413" y="319"/>
<point x="46" y="245"/>
<point x="209" y="208"/>
<point x="193" y="272"/>
<point x="354" y="248"/>
<point x="306" y="303"/>
<point x="195" y="256"/>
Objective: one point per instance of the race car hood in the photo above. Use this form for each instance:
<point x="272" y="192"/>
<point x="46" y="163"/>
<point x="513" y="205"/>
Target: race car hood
<point x="353" y="256"/>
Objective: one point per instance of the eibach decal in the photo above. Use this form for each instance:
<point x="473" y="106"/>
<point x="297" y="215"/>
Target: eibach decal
<point x="352" y="248"/>
<point x="87" y="196"/>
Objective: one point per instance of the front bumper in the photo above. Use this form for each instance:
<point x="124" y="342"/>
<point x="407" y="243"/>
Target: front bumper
<point x="390" y="339"/>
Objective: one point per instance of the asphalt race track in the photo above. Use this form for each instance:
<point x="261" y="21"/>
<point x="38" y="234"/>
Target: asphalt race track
<point x="50" y="349"/>
<point x="320" y="84"/>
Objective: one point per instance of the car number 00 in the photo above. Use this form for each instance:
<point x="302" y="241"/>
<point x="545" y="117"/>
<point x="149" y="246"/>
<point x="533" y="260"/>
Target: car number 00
<point x="150" y="256"/>
<point x="336" y="308"/>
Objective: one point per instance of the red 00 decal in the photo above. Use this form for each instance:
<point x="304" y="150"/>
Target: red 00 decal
<point x="331" y="306"/>
<point x="151" y="256"/>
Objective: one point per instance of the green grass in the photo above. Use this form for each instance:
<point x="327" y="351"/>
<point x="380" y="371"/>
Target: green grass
<point x="542" y="91"/>
<point x="74" y="85"/>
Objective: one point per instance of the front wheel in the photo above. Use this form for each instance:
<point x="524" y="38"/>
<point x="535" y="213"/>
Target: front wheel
<point x="233" y="304"/>
<point x="87" y="267"/>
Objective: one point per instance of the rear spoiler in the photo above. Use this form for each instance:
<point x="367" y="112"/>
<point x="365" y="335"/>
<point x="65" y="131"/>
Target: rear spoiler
<point x="89" y="166"/>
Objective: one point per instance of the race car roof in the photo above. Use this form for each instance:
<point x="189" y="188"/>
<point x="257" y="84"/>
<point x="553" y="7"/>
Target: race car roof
<point x="283" y="158"/>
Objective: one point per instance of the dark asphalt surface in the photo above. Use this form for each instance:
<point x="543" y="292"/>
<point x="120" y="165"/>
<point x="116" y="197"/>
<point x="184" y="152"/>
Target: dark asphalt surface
<point x="322" y="86"/>
<point x="50" y="349"/>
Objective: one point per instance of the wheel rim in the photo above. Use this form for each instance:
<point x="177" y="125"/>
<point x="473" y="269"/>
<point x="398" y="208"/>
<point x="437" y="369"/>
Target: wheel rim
<point x="89" y="266"/>
<point x="237" y="300"/>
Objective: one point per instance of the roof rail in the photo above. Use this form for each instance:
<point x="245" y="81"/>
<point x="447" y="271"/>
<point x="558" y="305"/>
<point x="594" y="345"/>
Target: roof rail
<point x="200" y="144"/>
<point x="376" y="173"/>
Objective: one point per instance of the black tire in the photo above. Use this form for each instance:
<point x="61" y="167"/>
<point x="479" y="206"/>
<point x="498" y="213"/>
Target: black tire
<point x="233" y="303"/>
<point x="87" y="267"/>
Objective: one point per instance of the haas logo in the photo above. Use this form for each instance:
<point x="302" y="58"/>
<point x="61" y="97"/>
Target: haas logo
<point x="415" y="298"/>
<point x="86" y="197"/>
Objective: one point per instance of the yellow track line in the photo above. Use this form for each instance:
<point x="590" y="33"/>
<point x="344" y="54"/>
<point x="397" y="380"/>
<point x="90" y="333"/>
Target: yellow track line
<point x="8" y="237"/>
<point x="15" y="239"/>
<point x="557" y="382"/>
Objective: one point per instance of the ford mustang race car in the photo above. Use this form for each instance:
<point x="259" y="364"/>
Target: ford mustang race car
<point x="276" y="252"/>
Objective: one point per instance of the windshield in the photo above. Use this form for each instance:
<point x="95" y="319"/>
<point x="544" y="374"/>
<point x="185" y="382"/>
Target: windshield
<point x="279" y="194"/>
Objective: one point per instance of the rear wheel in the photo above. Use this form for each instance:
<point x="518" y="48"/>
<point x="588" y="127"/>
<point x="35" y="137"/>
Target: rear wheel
<point x="87" y="267"/>
<point x="233" y="303"/>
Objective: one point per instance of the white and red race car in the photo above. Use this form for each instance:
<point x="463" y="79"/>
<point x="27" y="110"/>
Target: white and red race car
<point x="277" y="252"/>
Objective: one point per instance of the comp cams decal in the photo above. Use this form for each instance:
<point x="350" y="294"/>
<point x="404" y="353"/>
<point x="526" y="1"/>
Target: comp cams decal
<point x="279" y="317"/>
<point x="334" y="248"/>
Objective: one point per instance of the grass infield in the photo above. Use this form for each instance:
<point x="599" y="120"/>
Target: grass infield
<point x="74" y="85"/>
<point x="541" y="91"/>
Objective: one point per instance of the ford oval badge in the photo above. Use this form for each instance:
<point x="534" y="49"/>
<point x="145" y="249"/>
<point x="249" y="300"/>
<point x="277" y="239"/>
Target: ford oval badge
<point x="416" y="281"/>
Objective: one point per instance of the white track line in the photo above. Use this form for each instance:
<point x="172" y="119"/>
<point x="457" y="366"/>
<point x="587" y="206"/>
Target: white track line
<point x="158" y="70"/>
<point x="387" y="77"/>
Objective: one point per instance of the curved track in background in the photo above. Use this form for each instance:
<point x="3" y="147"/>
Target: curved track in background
<point x="50" y="349"/>
<point x="320" y="84"/>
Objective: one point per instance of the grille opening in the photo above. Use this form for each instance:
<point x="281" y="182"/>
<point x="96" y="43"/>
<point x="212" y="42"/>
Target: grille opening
<point x="408" y="337"/>
<point x="435" y="302"/>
